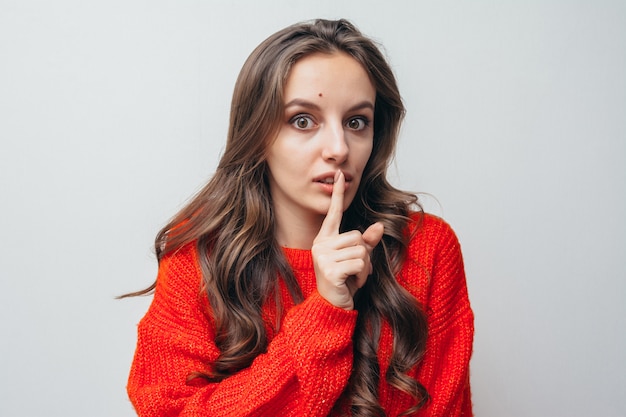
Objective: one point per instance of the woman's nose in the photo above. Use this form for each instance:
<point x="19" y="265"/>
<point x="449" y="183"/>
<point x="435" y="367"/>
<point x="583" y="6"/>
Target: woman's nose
<point x="335" y="147"/>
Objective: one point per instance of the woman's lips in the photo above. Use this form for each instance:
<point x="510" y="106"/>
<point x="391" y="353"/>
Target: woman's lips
<point x="326" y="182"/>
<point x="329" y="177"/>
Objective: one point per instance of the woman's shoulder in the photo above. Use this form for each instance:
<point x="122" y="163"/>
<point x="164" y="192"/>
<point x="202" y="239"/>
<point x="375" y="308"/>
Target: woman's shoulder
<point x="179" y="270"/>
<point x="433" y="252"/>
<point x="431" y="238"/>
<point x="179" y="303"/>
<point x="426" y="226"/>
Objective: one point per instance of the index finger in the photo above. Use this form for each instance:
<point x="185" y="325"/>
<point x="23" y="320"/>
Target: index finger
<point x="332" y="221"/>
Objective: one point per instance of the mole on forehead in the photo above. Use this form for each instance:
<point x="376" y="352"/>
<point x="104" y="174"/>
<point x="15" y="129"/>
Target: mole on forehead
<point x="320" y="94"/>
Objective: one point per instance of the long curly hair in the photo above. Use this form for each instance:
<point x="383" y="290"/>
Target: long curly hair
<point x="232" y="222"/>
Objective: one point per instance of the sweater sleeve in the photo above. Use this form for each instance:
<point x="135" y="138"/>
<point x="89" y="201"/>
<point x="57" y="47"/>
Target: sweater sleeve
<point x="444" y="369"/>
<point x="303" y="372"/>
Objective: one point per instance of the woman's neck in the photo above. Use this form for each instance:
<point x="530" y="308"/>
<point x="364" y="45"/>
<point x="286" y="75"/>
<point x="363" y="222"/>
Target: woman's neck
<point x="295" y="231"/>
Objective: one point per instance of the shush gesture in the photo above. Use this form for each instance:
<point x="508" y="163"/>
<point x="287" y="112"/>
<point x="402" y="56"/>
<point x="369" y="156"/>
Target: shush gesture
<point x="342" y="260"/>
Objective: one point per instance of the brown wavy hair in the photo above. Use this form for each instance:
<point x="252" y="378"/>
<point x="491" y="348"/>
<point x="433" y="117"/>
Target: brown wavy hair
<point x="232" y="221"/>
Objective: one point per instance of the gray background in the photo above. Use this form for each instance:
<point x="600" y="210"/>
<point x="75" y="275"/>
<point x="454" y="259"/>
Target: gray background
<point x="113" y="113"/>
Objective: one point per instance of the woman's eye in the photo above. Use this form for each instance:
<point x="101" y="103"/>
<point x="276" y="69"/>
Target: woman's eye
<point x="358" y="123"/>
<point x="302" y="122"/>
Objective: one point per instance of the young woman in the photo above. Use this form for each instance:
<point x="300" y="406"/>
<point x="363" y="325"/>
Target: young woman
<point x="299" y="282"/>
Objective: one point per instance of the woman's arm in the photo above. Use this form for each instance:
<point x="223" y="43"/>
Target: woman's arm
<point x="303" y="372"/>
<point x="444" y="370"/>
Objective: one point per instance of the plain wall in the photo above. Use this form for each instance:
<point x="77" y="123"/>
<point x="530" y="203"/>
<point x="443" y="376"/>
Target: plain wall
<point x="112" y="114"/>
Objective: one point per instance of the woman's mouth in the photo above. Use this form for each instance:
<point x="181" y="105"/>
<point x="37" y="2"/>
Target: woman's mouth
<point x="327" y="182"/>
<point x="329" y="178"/>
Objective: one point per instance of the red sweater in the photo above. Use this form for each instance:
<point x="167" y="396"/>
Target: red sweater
<point x="308" y="361"/>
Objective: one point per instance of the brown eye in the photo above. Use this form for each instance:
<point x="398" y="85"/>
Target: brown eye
<point x="302" y="122"/>
<point x="358" y="123"/>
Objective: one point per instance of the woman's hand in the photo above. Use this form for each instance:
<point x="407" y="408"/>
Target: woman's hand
<point x="342" y="261"/>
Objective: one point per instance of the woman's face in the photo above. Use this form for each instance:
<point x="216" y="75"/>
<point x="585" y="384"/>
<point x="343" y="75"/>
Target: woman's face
<point x="327" y="126"/>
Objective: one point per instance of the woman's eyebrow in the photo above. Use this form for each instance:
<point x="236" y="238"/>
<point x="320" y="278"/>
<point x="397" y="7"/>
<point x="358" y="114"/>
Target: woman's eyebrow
<point x="302" y="103"/>
<point x="365" y="104"/>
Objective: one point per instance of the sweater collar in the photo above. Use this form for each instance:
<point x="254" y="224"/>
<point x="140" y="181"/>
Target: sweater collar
<point x="299" y="258"/>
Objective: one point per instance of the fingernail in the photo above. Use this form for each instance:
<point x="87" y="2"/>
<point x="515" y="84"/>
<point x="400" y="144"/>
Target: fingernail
<point x="337" y="175"/>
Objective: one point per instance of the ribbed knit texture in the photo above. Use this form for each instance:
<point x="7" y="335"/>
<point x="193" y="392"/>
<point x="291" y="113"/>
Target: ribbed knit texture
<point x="308" y="361"/>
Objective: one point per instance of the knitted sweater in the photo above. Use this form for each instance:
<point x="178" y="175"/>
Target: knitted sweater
<point x="308" y="361"/>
